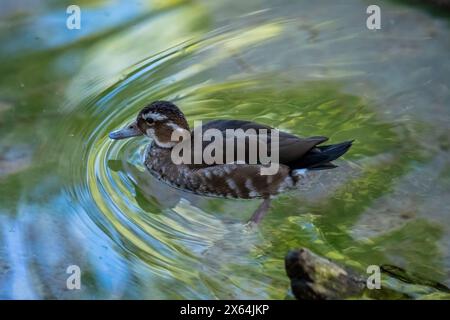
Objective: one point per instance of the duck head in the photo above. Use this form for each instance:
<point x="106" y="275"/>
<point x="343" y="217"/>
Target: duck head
<point x="158" y="120"/>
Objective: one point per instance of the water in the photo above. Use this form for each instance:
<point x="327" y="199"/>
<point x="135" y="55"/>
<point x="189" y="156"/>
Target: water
<point x="70" y="196"/>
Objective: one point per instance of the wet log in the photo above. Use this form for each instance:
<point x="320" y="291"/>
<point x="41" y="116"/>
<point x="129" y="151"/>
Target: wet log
<point x="444" y="4"/>
<point x="316" y="278"/>
<point x="435" y="5"/>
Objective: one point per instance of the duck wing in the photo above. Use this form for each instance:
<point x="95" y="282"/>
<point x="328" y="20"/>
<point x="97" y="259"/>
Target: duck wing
<point x="291" y="147"/>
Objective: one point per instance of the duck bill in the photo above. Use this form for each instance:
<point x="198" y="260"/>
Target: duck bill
<point x="129" y="131"/>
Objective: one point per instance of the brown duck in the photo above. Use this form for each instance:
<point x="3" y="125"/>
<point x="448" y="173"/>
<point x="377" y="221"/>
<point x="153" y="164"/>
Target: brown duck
<point x="238" y="178"/>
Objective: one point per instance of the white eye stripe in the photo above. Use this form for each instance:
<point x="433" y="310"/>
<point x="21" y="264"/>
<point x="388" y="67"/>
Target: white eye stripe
<point x="154" y="116"/>
<point x="173" y="125"/>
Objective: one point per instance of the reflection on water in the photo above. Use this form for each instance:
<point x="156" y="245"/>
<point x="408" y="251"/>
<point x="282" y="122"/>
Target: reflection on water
<point x="69" y="195"/>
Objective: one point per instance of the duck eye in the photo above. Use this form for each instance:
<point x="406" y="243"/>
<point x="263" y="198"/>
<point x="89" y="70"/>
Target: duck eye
<point x="149" y="121"/>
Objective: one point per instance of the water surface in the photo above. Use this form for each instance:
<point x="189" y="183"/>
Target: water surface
<point x="69" y="195"/>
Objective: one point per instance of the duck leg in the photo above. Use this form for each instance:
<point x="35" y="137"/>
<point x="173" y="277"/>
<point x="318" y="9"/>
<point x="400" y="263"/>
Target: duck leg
<point x="259" y="214"/>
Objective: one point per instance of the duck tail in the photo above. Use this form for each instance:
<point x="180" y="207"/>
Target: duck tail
<point x="321" y="157"/>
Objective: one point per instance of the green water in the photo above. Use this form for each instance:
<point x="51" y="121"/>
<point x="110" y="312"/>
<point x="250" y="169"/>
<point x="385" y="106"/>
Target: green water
<point x="70" y="196"/>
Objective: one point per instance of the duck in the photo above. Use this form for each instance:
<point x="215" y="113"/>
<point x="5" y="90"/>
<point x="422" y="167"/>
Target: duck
<point x="236" y="176"/>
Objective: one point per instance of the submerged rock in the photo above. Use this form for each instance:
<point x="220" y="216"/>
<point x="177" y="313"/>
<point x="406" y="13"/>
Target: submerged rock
<point x="14" y="159"/>
<point x="316" y="278"/>
<point x="440" y="3"/>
